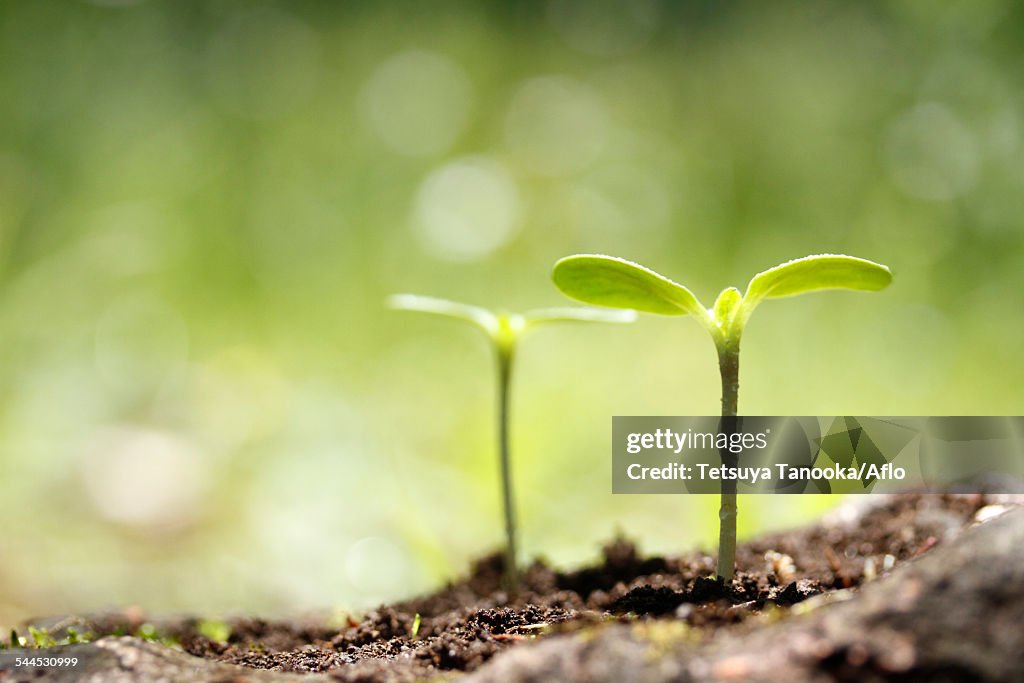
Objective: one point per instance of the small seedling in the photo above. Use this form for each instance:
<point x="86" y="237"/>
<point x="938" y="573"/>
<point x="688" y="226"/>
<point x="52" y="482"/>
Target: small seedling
<point x="615" y="282"/>
<point x="416" y="621"/>
<point x="41" y="637"/>
<point x="504" y="331"/>
<point x="148" y="632"/>
<point x="216" y="630"/>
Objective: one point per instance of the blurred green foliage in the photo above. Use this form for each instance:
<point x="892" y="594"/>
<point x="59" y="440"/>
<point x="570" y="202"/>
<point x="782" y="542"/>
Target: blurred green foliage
<point x="205" y="406"/>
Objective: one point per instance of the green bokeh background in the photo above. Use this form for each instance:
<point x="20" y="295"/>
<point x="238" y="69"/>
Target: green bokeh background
<point x="205" y="406"/>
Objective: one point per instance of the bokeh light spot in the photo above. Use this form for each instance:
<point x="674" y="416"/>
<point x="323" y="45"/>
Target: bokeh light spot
<point x="466" y="209"/>
<point x="556" y="125"/>
<point x="417" y="102"/>
<point x="142" y="477"/>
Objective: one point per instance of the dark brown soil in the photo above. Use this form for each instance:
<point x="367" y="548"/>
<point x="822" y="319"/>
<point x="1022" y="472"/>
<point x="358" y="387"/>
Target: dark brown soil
<point x="468" y="622"/>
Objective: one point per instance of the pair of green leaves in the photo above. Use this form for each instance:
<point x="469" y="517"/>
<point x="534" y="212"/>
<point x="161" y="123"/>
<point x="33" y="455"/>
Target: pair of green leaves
<point x="505" y="328"/>
<point x="614" y="282"/>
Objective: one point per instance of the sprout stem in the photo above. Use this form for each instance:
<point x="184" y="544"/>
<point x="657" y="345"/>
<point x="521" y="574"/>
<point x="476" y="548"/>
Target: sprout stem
<point x="506" y="353"/>
<point x="729" y="367"/>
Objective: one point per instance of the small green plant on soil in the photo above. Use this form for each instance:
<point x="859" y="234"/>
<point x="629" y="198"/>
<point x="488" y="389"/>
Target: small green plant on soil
<point x="416" y="621"/>
<point x="40" y="638"/>
<point x="151" y="634"/>
<point x="505" y="331"/>
<point x="617" y="283"/>
<point x="216" y="630"/>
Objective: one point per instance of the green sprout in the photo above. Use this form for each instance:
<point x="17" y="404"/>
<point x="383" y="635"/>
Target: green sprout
<point x="148" y="632"/>
<point x="216" y="630"/>
<point x="41" y="637"/>
<point x="504" y="331"/>
<point x="416" y="621"/>
<point x="617" y="283"/>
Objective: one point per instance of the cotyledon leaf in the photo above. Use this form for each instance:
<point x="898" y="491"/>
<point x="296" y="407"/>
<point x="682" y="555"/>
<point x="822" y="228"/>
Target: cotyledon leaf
<point x="504" y="328"/>
<point x="584" y="315"/>
<point x="811" y="274"/>
<point x="480" y="317"/>
<point x="618" y="283"/>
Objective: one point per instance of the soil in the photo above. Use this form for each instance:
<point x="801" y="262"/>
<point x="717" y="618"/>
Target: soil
<point x="467" y="623"/>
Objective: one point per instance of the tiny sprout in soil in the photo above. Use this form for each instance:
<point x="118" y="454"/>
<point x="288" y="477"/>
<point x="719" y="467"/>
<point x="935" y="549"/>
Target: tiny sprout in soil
<point x="41" y="637"/>
<point x="617" y="283"/>
<point x="416" y="621"/>
<point x="504" y="331"/>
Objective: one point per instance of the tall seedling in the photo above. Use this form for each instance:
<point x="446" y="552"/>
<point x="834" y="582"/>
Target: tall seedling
<point x="504" y="331"/>
<point x="617" y="283"/>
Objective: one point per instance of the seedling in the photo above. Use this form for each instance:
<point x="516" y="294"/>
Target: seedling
<point x="148" y="632"/>
<point x="216" y="630"/>
<point x="617" y="283"/>
<point x="42" y="637"/>
<point x="504" y="331"/>
<point x="416" y="621"/>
